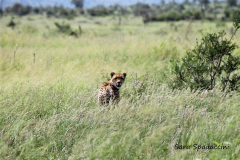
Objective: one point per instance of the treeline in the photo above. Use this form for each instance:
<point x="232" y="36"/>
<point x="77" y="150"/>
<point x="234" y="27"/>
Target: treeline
<point x="197" y="9"/>
<point x="57" y="11"/>
<point x="60" y="11"/>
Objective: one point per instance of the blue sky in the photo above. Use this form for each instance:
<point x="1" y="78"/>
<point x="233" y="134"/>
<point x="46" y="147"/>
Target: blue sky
<point x="87" y="4"/>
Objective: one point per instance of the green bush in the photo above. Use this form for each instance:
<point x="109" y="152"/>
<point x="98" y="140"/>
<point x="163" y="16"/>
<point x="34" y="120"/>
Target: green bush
<point x="99" y="10"/>
<point x="227" y="13"/>
<point x="36" y="10"/>
<point x="64" y="12"/>
<point x="11" y="24"/>
<point x="66" y="29"/>
<point x="210" y="18"/>
<point x="195" y="14"/>
<point x="50" y="13"/>
<point x="234" y="12"/>
<point x="209" y="62"/>
<point x="20" y="10"/>
<point x="175" y="16"/>
<point x="1" y="11"/>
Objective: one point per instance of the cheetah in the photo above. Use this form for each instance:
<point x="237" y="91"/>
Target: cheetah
<point x="110" y="90"/>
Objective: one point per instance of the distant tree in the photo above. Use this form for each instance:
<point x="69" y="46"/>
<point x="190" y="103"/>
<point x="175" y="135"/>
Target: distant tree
<point x="63" y="12"/>
<point x="78" y="3"/>
<point x="204" y="5"/>
<point x="232" y="2"/>
<point x="215" y="2"/>
<point x="227" y="13"/>
<point x="194" y="1"/>
<point x="50" y="13"/>
<point x="7" y="10"/>
<point x="16" y="8"/>
<point x="36" y="10"/>
<point x="1" y="7"/>
<point x="20" y="10"/>
<point x="186" y="1"/>
<point x="162" y="2"/>
<point x="141" y="5"/>
<point x="173" y="2"/>
<point x="140" y="8"/>
<point x="99" y="10"/>
<point x="27" y="10"/>
<point x="119" y="11"/>
<point x="144" y="10"/>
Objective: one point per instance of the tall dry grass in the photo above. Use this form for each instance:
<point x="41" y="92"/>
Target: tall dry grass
<point x="49" y="110"/>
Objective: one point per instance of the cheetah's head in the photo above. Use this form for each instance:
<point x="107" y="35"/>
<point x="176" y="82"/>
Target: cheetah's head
<point x="118" y="79"/>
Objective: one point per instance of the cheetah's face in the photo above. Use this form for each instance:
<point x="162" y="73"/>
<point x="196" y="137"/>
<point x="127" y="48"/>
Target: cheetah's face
<point x="118" y="79"/>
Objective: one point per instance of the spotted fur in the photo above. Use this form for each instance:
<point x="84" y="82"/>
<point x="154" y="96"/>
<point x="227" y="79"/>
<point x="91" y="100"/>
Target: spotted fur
<point x="110" y="90"/>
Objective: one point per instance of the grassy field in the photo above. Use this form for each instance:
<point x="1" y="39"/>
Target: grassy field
<point x="48" y="104"/>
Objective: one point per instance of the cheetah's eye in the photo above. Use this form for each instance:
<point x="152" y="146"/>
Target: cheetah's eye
<point x="121" y="78"/>
<point x="115" y="78"/>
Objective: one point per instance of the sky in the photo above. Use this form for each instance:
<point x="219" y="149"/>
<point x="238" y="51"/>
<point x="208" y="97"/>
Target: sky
<point x="87" y="3"/>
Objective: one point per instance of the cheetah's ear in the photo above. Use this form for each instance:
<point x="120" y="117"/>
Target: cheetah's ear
<point x="112" y="74"/>
<point x="125" y="74"/>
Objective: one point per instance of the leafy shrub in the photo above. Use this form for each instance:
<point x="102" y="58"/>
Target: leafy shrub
<point x="209" y="62"/>
<point x="1" y="11"/>
<point x="227" y="13"/>
<point x="234" y="12"/>
<point x="66" y="29"/>
<point x="20" y="10"/>
<point x="50" y="13"/>
<point x="63" y="28"/>
<point x="69" y="14"/>
<point x="232" y="2"/>
<point x="11" y="24"/>
<point x="194" y="14"/>
<point x="64" y="12"/>
<point x="99" y="10"/>
<point x="174" y="16"/>
<point x="36" y="10"/>
<point x="210" y="18"/>
<point x="72" y="13"/>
